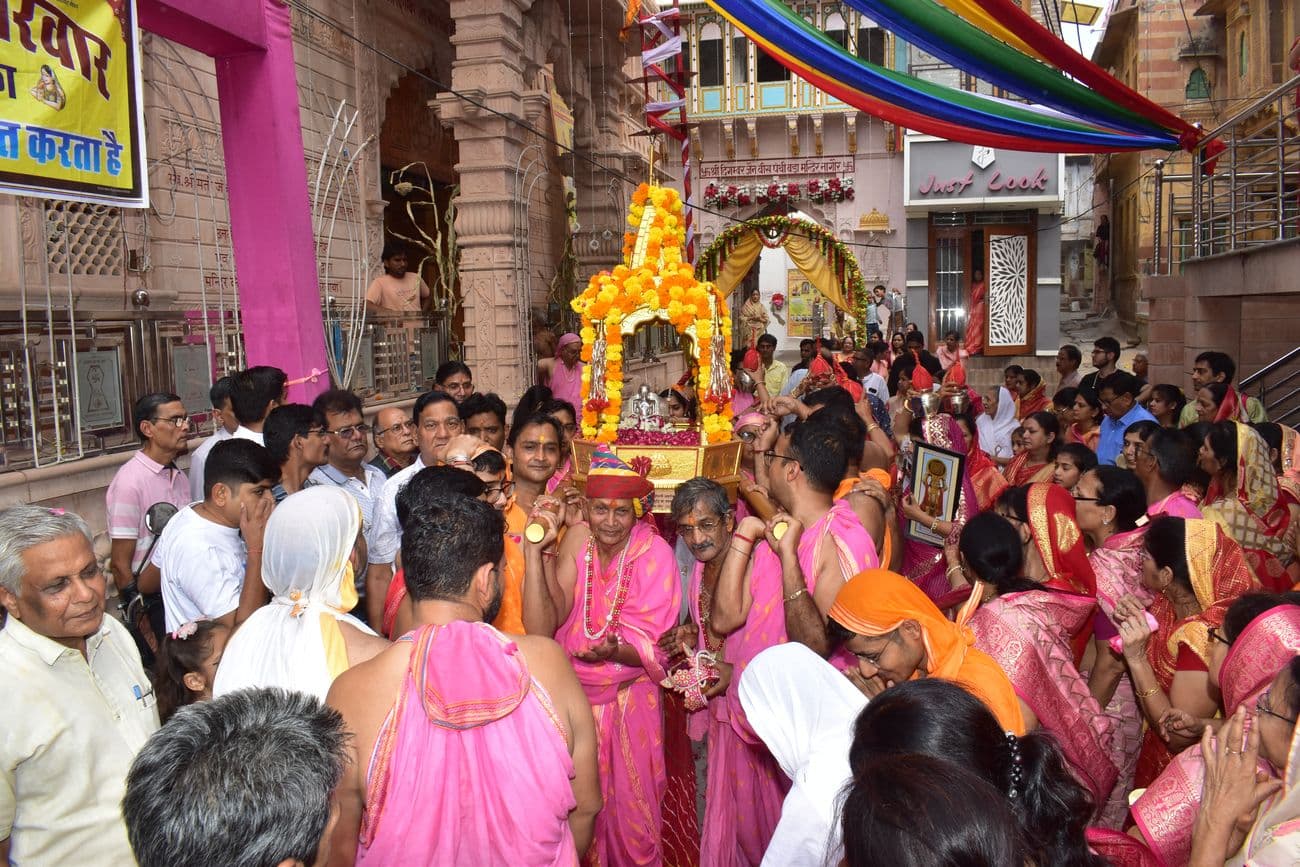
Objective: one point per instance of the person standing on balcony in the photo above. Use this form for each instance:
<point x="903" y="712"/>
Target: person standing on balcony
<point x="396" y="291"/>
<point x="563" y="373"/>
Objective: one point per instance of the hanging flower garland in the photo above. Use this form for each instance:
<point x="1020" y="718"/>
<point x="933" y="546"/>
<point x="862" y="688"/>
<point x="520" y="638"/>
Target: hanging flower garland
<point x="818" y="190"/>
<point x="653" y="276"/>
<point x="772" y="231"/>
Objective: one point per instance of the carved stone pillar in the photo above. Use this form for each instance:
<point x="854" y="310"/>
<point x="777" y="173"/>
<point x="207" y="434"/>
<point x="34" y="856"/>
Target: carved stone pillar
<point x="489" y="58"/>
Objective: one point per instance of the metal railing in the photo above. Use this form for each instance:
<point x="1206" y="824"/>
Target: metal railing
<point x="1278" y="387"/>
<point x="1252" y="197"/>
<point x="67" y="382"/>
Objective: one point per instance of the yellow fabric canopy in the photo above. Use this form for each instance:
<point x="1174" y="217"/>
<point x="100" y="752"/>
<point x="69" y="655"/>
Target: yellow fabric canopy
<point x="807" y="258"/>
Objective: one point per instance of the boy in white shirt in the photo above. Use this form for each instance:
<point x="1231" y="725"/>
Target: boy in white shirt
<point x="209" y="559"/>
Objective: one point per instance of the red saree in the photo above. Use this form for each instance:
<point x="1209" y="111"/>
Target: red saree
<point x="1219" y="575"/>
<point x="1255" y="515"/>
<point x="1021" y="472"/>
<point x="1036" y="401"/>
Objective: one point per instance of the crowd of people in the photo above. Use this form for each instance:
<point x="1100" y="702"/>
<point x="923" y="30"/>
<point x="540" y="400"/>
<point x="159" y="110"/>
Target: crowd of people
<point x="1051" y="624"/>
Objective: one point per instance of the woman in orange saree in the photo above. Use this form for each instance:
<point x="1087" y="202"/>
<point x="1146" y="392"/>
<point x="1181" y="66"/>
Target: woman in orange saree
<point x="1086" y="429"/>
<point x="1195" y="571"/>
<point x="1037" y="462"/>
<point x="1243" y="499"/>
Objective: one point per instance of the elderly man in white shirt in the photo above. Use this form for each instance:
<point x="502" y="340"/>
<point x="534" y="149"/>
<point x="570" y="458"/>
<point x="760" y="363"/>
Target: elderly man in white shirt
<point x="77" y="704"/>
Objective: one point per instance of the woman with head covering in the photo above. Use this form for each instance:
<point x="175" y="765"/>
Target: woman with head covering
<point x="996" y="423"/>
<point x="563" y="373"/>
<point x="1111" y="504"/>
<point x="1026" y="629"/>
<point x="1243" y="499"/>
<point x="1260" y="636"/>
<point x="803" y="710"/>
<point x="1219" y="401"/>
<point x="1195" y="571"/>
<point x="898" y="634"/>
<point x="923" y="563"/>
<point x="986" y="479"/>
<point x="1232" y="787"/>
<point x="1054" y="551"/>
<point x="305" y="637"/>
<point x="753" y="318"/>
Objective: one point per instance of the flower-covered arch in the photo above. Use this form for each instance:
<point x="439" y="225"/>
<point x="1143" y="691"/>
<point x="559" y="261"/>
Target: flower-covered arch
<point x="653" y="283"/>
<point x="824" y="259"/>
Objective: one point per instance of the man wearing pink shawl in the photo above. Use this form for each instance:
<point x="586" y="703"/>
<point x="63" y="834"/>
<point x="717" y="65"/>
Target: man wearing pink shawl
<point x="614" y="592"/>
<point x="745" y="785"/>
<point x="1164" y="465"/>
<point x="1165" y="814"/>
<point x="774" y="590"/>
<point x="563" y="373"/>
<point x="470" y="747"/>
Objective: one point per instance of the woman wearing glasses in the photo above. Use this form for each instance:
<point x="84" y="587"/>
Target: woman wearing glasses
<point x="1195" y="571"/>
<point x="1259" y="638"/>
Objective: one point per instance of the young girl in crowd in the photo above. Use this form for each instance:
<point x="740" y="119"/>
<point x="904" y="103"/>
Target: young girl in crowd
<point x="187" y="665"/>
<point x="1166" y="404"/>
<point x="1072" y="461"/>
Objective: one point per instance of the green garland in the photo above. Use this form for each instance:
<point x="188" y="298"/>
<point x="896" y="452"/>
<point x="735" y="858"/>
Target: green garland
<point x="837" y="254"/>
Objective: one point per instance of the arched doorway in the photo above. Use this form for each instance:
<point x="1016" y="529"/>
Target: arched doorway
<point x="825" y="264"/>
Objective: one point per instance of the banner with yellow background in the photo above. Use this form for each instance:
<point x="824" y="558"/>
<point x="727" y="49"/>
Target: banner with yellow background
<point x="71" y="125"/>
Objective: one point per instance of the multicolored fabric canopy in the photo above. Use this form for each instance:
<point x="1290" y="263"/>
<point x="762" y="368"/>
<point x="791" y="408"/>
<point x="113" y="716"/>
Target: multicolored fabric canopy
<point x="1074" y="105"/>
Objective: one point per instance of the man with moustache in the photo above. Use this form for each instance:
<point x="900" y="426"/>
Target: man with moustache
<point x="742" y="803"/>
<point x="437" y="420"/>
<point x="394" y="441"/>
<point x="345" y="430"/>
<point x="78" y="705"/>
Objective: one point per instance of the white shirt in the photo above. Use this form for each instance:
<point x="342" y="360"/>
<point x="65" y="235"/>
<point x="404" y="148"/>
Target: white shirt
<point x="793" y="382"/>
<point x="199" y="457"/>
<point x="71" y="727"/>
<point x="243" y="433"/>
<point x="874" y="383"/>
<point x="388" y="533"/>
<point x="202" y="565"/>
<point x="366" y="492"/>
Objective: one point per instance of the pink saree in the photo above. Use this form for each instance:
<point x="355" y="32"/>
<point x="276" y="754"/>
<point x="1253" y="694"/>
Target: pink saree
<point x="745" y="786"/>
<point x="924" y="564"/>
<point x="1028" y="635"/>
<point x="626" y="699"/>
<point x="1118" y="567"/>
<point x="1166" y="811"/>
<point x="468" y="710"/>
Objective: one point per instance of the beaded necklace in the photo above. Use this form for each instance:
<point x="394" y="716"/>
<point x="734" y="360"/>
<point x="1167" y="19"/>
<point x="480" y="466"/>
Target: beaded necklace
<point x="706" y="613"/>
<point x="624" y="571"/>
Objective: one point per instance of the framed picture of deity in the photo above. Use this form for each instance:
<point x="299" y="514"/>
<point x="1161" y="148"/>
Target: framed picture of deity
<point x="936" y="486"/>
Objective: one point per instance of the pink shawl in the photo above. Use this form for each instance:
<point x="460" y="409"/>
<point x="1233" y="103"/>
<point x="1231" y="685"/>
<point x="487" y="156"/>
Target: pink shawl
<point x="467" y="711"/>
<point x="1166" y="811"/>
<point x="1028" y="634"/>
<point x="654" y="600"/>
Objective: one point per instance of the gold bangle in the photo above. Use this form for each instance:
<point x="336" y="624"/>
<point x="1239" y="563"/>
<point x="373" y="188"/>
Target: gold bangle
<point x="796" y="594"/>
<point x="956" y="566"/>
<point x="1147" y="693"/>
<point x="934" y="525"/>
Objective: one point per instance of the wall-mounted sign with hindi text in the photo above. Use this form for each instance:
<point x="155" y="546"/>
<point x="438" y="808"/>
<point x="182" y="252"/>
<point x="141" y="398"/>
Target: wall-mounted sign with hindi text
<point x="71" y="125"/>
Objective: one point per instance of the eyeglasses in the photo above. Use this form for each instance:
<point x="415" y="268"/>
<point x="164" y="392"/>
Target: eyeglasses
<point x="451" y="424"/>
<point x="178" y="421"/>
<point x="708" y="525"/>
<point x="352" y="430"/>
<point x="401" y="425"/>
<point x="505" y="489"/>
<point x="1261" y="706"/>
<point x="1216" y="634"/>
<point x="317" y="432"/>
<point x="747" y="436"/>
<point x="772" y="453"/>
<point x="1079" y="499"/>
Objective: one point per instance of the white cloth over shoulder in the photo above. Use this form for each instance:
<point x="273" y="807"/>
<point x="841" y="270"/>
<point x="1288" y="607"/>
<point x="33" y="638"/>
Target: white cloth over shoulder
<point x="295" y="641"/>
<point x="804" y="710"/>
<point x="995" y="433"/>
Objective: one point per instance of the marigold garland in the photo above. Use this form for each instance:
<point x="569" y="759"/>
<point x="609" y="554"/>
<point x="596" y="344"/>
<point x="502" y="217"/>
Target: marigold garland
<point x="661" y="281"/>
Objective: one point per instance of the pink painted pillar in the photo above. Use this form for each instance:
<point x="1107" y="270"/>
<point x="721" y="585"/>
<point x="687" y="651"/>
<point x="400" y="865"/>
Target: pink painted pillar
<point x="270" y="211"/>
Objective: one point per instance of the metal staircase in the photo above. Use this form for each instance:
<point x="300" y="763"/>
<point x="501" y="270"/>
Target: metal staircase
<point x="1277" y="385"/>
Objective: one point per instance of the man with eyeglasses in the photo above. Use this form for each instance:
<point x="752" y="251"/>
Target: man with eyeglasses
<point x="437" y="420"/>
<point x="1164" y="466"/>
<point x="1118" y="396"/>
<point x="347" y="432"/>
<point x="77" y="703"/>
<point x="149" y="477"/>
<point x="784" y="586"/>
<point x="394" y="440"/>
